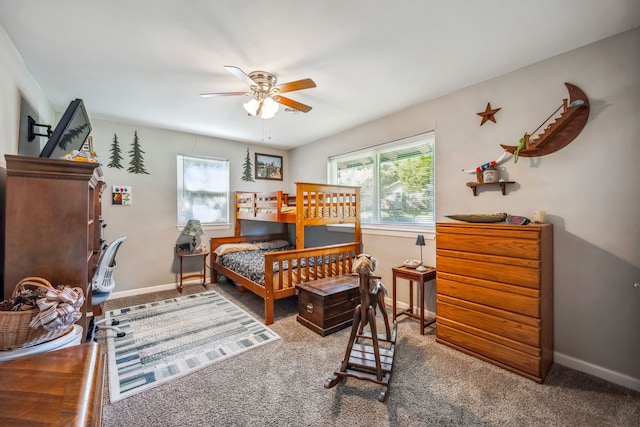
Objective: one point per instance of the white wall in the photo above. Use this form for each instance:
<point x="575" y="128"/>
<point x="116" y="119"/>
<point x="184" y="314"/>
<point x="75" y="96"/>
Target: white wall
<point x="147" y="258"/>
<point x="17" y="82"/>
<point x="589" y="189"/>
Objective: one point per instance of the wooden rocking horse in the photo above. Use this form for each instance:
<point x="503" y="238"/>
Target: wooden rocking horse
<point x="369" y="355"/>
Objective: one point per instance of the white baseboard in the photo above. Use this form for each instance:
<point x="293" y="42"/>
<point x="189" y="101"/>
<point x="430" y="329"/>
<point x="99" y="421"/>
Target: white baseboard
<point x="597" y="371"/>
<point x="150" y="289"/>
<point x="573" y="363"/>
<point x="559" y="358"/>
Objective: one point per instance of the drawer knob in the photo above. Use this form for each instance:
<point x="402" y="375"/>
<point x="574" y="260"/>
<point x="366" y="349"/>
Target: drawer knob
<point x="310" y="308"/>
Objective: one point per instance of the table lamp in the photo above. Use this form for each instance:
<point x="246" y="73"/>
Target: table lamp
<point x="420" y="242"/>
<point x="193" y="228"/>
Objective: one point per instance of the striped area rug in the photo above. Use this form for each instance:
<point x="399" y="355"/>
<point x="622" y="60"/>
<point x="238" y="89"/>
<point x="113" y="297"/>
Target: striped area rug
<point x="171" y="338"/>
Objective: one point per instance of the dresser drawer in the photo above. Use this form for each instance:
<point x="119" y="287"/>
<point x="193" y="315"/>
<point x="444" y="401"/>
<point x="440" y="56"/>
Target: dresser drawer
<point x="520" y="243"/>
<point x="499" y="323"/>
<point x="501" y="297"/>
<point x="489" y="350"/>
<point x="495" y="269"/>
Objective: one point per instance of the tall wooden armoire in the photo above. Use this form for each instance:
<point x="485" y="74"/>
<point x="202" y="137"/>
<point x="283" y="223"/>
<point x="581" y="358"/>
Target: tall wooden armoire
<point x="52" y="223"/>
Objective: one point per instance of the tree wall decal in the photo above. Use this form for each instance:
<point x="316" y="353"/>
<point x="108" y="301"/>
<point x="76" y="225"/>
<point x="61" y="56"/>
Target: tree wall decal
<point x="136" y="164"/>
<point x="114" y="160"/>
<point x="248" y="170"/>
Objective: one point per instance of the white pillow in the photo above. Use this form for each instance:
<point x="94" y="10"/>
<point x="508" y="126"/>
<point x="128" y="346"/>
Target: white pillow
<point x="234" y="247"/>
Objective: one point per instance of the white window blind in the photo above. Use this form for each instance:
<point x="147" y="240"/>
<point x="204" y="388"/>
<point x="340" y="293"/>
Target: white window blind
<point x="396" y="181"/>
<point x="203" y="189"/>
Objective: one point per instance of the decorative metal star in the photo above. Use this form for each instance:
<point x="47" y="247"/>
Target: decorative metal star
<point x="488" y="114"/>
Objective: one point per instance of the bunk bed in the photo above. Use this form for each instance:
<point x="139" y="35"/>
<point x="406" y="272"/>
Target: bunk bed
<point x="313" y="204"/>
<point x="281" y="268"/>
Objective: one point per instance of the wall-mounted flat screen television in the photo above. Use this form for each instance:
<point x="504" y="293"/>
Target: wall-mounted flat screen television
<point x="70" y="133"/>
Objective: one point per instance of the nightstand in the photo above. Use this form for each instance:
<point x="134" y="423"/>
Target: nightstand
<point x="182" y="255"/>
<point x="420" y="277"/>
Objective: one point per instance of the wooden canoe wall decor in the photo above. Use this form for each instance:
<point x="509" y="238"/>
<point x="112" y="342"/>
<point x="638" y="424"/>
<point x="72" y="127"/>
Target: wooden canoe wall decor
<point x="559" y="133"/>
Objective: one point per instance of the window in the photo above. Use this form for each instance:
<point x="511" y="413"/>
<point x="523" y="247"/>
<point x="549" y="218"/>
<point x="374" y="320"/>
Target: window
<point x="203" y="189"/>
<point x="396" y="181"/>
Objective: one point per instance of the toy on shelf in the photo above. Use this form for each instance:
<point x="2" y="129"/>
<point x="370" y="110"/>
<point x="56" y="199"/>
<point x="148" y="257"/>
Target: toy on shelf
<point x="82" y="156"/>
<point x="489" y="166"/>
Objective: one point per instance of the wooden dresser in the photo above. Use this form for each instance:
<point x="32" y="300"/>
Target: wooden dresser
<point x="495" y="293"/>
<point x="58" y="388"/>
<point x="52" y="223"/>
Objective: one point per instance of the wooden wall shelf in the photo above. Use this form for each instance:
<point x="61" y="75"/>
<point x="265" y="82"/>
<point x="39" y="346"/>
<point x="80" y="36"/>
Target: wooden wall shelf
<point x="560" y="132"/>
<point x="503" y="186"/>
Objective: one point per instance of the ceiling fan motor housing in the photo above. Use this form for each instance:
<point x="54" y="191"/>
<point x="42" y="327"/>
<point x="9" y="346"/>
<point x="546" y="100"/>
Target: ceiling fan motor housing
<point x="265" y="82"/>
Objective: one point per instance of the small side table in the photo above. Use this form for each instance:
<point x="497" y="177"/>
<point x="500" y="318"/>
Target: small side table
<point x="182" y="255"/>
<point x="420" y="277"/>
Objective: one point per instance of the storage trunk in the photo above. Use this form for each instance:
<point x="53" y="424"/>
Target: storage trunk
<point x="327" y="305"/>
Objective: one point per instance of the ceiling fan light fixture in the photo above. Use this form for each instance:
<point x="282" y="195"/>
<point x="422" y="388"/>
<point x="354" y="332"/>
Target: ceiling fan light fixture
<point x="251" y="106"/>
<point x="269" y="108"/>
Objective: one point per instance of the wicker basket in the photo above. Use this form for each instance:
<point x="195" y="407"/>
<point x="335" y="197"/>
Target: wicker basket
<point x="14" y="325"/>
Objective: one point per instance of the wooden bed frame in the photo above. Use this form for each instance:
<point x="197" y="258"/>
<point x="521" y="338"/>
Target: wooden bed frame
<point x="314" y="204"/>
<point x="283" y="284"/>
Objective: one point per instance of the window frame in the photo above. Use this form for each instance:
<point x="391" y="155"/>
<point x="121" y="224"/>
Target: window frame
<point x="389" y="228"/>
<point x="181" y="219"/>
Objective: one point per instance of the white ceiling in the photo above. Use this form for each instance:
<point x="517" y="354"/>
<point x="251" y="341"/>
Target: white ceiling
<point x="146" y="61"/>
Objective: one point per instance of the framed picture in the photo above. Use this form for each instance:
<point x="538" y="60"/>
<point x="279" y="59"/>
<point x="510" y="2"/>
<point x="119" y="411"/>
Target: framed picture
<point x="88" y="145"/>
<point x="268" y="167"/>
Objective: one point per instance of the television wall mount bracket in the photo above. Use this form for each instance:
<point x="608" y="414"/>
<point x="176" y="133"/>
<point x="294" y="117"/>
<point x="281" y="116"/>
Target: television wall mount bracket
<point x="31" y="133"/>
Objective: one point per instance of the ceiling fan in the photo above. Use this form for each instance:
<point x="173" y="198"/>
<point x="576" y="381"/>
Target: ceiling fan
<point x="266" y="92"/>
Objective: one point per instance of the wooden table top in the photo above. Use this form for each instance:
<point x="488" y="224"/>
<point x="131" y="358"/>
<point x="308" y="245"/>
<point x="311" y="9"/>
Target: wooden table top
<point x="402" y="270"/>
<point x="62" y="387"/>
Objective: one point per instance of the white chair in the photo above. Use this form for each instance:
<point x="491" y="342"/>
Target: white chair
<point x="103" y="283"/>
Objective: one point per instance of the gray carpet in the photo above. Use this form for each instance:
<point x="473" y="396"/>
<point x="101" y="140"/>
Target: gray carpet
<point x="432" y="385"/>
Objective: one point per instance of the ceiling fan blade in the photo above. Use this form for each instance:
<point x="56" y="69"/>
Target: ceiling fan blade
<point x="209" y="95"/>
<point x="292" y="104"/>
<point x="240" y="74"/>
<point x="297" y="85"/>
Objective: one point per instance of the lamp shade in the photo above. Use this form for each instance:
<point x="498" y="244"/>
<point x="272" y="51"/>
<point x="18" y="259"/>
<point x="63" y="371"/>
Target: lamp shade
<point x="193" y="228"/>
<point x="251" y="106"/>
<point x="420" y="240"/>
<point x="269" y="108"/>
